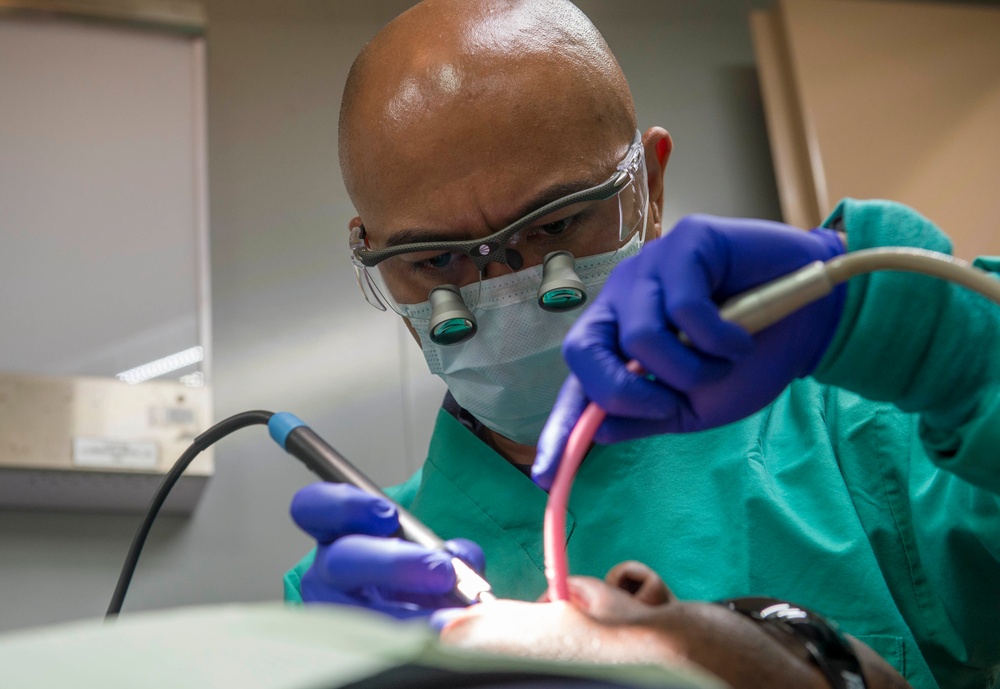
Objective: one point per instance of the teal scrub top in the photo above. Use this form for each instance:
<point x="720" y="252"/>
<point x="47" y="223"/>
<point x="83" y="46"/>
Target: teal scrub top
<point x="884" y="519"/>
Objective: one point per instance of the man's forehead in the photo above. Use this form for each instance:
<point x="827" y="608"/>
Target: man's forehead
<point x="480" y="111"/>
<point x="449" y="64"/>
<point x="499" y="132"/>
<point x="466" y="193"/>
<point x="440" y="89"/>
<point x="484" y="30"/>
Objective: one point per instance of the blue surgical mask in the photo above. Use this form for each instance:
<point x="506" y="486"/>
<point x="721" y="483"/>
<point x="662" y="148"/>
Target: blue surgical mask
<point x="509" y="374"/>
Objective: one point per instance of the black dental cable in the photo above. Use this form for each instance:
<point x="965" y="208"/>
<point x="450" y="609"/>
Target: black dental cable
<point x="209" y="437"/>
<point x="300" y="441"/>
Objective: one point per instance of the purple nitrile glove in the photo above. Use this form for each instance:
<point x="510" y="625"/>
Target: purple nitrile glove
<point x="675" y="284"/>
<point x="357" y="564"/>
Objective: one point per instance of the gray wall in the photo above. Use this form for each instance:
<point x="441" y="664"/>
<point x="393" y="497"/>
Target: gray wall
<point x="290" y="330"/>
<point x="121" y="228"/>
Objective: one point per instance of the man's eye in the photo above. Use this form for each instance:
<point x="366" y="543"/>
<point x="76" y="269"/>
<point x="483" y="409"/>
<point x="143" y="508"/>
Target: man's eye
<point x="557" y="227"/>
<point x="438" y="262"/>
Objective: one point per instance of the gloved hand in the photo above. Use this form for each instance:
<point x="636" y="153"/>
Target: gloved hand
<point x="675" y="284"/>
<point x="357" y="565"/>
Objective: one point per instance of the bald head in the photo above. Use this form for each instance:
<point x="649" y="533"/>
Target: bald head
<point x="493" y="77"/>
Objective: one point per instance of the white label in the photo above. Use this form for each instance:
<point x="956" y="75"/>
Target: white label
<point x="99" y="453"/>
<point x="171" y="416"/>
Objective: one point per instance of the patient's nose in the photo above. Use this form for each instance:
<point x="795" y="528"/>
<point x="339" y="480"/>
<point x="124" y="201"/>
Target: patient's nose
<point x="640" y="582"/>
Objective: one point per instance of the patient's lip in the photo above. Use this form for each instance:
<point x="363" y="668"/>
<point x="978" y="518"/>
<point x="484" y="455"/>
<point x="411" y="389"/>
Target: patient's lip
<point x="580" y="595"/>
<point x="440" y="619"/>
<point x="597" y="600"/>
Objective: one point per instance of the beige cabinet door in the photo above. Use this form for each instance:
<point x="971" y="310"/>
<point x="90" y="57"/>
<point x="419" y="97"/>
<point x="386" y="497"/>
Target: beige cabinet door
<point x="886" y="100"/>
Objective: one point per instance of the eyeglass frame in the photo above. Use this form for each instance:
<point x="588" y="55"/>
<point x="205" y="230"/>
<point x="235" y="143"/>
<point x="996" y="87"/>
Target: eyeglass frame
<point x="484" y="250"/>
<point x="836" y="659"/>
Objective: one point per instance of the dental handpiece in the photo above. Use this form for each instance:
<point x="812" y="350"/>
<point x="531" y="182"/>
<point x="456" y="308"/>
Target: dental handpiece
<point x="303" y="443"/>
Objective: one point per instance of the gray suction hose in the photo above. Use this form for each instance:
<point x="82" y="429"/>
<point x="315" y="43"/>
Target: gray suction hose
<point x="767" y="304"/>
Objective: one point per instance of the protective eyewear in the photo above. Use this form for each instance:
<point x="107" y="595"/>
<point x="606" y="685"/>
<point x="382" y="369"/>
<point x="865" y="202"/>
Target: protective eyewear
<point x="821" y="641"/>
<point x="577" y="225"/>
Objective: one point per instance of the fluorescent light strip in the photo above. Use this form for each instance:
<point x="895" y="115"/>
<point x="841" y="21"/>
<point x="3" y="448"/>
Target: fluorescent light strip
<point x="155" y="369"/>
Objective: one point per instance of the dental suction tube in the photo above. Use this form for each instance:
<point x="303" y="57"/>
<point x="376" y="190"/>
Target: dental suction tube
<point x="754" y="310"/>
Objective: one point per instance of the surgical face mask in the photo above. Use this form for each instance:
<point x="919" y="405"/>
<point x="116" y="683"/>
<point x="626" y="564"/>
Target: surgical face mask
<point x="509" y="374"/>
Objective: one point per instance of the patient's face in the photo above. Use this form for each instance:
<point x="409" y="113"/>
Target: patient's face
<point x="632" y="617"/>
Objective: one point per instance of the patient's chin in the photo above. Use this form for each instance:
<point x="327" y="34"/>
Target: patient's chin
<point x="554" y="631"/>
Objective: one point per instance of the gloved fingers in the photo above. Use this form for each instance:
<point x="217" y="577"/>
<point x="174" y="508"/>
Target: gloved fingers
<point x="468" y="552"/>
<point x="687" y="288"/>
<point x="620" y="392"/>
<point x="708" y="332"/>
<point x="678" y="367"/>
<point x="402" y="611"/>
<point x="651" y="340"/>
<point x="315" y="591"/>
<point x="327" y="511"/>
<point x="680" y="280"/>
<point x="552" y="442"/>
<point x="390" y="564"/>
<point x="592" y="353"/>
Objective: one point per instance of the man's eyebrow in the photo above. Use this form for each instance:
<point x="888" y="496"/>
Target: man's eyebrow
<point x="550" y="194"/>
<point x="415" y="235"/>
<point x="544" y="197"/>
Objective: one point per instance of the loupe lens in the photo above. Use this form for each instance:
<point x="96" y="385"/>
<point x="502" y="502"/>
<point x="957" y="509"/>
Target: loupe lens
<point x="451" y="321"/>
<point x="561" y="288"/>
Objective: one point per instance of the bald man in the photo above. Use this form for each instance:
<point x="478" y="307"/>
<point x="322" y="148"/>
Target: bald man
<point x="492" y="153"/>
